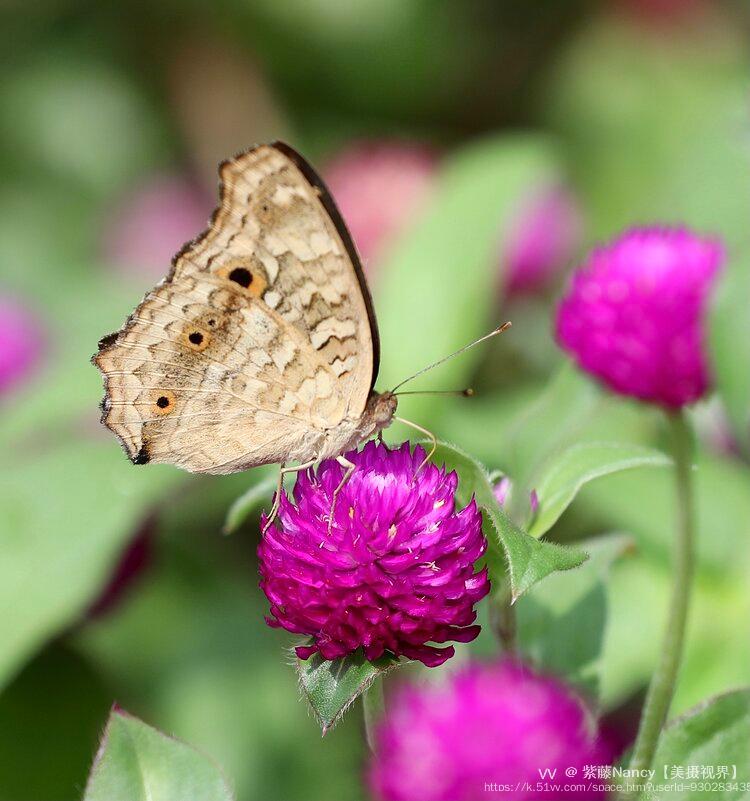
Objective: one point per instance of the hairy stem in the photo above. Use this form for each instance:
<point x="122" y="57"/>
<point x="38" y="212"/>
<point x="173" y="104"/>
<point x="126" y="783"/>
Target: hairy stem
<point x="503" y="621"/>
<point x="661" y="689"/>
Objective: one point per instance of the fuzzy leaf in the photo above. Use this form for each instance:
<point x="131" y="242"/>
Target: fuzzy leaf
<point x="138" y="763"/>
<point x="70" y="500"/>
<point x="68" y="513"/>
<point x="716" y="732"/>
<point x="566" y="473"/>
<point x="332" y="686"/>
<point x="554" y="418"/>
<point x="529" y="560"/>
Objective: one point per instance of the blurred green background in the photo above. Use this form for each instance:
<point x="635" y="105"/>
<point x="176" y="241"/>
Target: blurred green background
<point x="116" y="583"/>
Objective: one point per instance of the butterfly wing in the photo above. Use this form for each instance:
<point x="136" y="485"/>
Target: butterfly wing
<point x="262" y="337"/>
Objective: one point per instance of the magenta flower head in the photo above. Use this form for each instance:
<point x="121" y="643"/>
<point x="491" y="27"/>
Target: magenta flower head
<point x="380" y="187"/>
<point x="541" y="239"/>
<point x="152" y="223"/>
<point x="396" y="571"/>
<point x="134" y="560"/>
<point x="666" y="12"/>
<point x="486" y="727"/>
<point x="21" y="344"/>
<point x="502" y="489"/>
<point x="634" y="314"/>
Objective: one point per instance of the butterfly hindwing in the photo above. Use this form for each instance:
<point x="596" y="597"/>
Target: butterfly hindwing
<point x="261" y="338"/>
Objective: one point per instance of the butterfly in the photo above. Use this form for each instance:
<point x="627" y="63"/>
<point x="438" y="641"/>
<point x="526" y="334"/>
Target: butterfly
<point x="261" y="344"/>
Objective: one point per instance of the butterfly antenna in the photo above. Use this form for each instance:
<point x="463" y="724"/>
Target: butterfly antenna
<point x="498" y="330"/>
<point x="463" y="393"/>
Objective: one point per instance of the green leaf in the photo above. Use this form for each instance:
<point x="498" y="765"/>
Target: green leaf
<point x="715" y="733"/>
<point x="560" y="412"/>
<point x="69" y="498"/>
<point x="521" y="431"/>
<point x="332" y="686"/>
<point x="439" y="288"/>
<point x="61" y="402"/>
<point x="138" y="763"/>
<point x="567" y="472"/>
<point x="68" y="512"/>
<point x="729" y="341"/>
<point x="249" y="502"/>
<point x="562" y="621"/>
<point x="528" y="560"/>
<point x="722" y="490"/>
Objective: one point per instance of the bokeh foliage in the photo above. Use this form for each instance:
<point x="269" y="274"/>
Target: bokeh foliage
<point x="647" y="122"/>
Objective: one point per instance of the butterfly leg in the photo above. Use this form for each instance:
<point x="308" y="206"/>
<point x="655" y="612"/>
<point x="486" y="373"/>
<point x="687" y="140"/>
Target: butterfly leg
<point x="283" y="470"/>
<point x="433" y="439"/>
<point x="348" y="470"/>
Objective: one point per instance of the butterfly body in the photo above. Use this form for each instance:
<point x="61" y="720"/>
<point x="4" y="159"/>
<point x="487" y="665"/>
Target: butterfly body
<point x="378" y="414"/>
<point x="261" y="345"/>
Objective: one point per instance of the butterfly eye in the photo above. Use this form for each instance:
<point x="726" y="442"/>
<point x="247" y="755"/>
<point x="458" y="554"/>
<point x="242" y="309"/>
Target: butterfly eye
<point x="196" y="339"/>
<point x="241" y="276"/>
<point x="164" y="402"/>
<point x="247" y="276"/>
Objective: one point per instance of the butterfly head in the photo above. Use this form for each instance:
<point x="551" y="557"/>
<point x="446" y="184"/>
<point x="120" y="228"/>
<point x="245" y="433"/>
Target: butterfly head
<point x="381" y="407"/>
<point x="378" y="414"/>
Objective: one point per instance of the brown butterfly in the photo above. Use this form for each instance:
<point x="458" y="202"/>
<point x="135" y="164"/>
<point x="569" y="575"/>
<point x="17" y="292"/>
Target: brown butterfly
<point x="261" y="345"/>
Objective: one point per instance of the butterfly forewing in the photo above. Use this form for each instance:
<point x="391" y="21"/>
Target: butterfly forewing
<point x="260" y="339"/>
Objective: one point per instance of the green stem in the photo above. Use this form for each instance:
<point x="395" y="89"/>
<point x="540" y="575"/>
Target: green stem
<point x="503" y="621"/>
<point x="661" y="689"/>
<point x="373" y="706"/>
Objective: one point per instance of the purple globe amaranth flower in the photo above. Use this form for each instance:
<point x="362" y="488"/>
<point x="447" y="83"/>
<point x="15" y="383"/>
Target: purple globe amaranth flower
<point x="504" y="487"/>
<point x="488" y="724"/>
<point x="633" y="316"/>
<point x="396" y="571"/>
<point x="21" y="343"/>
<point x="502" y="490"/>
<point x="134" y="560"/>
<point x="666" y="12"/>
<point x="379" y="187"/>
<point x="540" y="239"/>
<point x="152" y="223"/>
